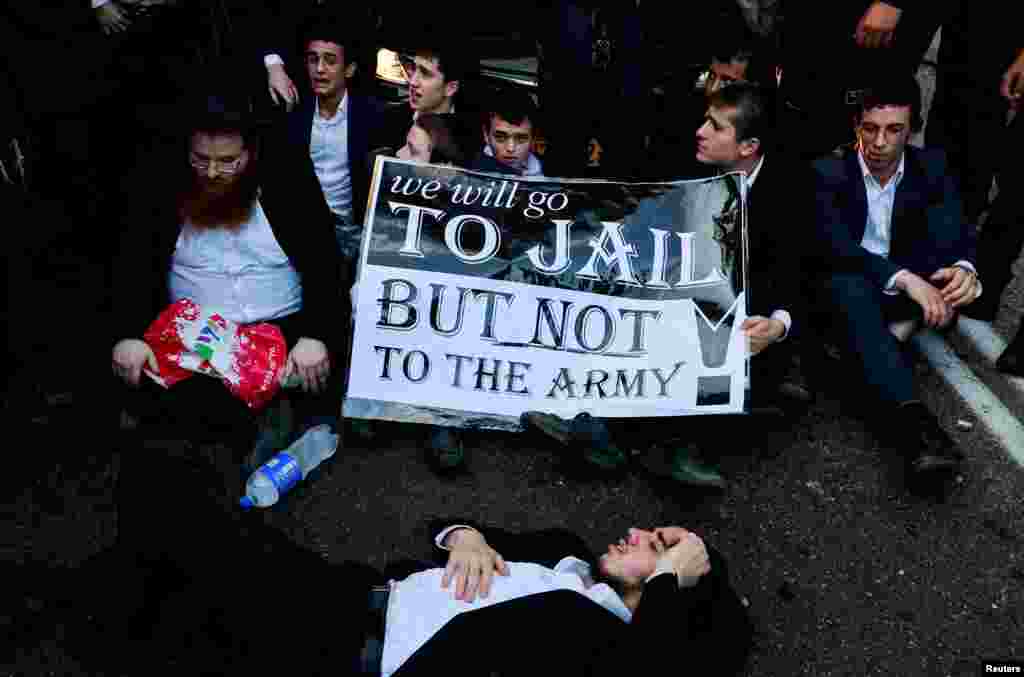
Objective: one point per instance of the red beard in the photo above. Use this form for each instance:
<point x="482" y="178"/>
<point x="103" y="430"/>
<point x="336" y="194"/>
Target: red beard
<point x="218" y="203"/>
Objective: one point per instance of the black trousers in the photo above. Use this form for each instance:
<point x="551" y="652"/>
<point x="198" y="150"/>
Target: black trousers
<point x="1002" y="236"/>
<point x="196" y="586"/>
<point x="861" y="313"/>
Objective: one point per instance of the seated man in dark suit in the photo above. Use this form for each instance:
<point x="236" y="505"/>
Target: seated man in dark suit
<point x="236" y="222"/>
<point x="508" y="131"/>
<point x="337" y="127"/>
<point x="737" y="56"/>
<point x="230" y="591"/>
<point x="738" y="136"/>
<point x="898" y="254"/>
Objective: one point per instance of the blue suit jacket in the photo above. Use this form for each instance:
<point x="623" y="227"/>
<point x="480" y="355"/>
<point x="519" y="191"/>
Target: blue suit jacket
<point x="366" y="125"/>
<point x="928" y="228"/>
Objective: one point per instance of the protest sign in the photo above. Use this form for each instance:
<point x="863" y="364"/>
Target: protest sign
<point x="479" y="297"/>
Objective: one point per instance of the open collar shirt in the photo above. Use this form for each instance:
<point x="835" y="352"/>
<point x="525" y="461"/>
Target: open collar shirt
<point x="328" y="148"/>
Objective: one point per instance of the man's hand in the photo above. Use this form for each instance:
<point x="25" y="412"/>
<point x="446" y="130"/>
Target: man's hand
<point x="1012" y="87"/>
<point x="960" y="288"/>
<point x="310" y="360"/>
<point x="112" y="18"/>
<point x="471" y="564"/>
<point x="762" y="332"/>
<point x="937" y="312"/>
<point x="687" y="557"/>
<point x="279" y="83"/>
<point x="128" y="358"/>
<point x="876" y="27"/>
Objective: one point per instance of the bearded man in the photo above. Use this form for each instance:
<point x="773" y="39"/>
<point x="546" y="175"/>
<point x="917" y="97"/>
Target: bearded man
<point x="236" y="221"/>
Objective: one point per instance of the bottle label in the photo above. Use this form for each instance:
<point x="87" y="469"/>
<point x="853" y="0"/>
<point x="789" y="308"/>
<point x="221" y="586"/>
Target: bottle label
<point x="283" y="471"/>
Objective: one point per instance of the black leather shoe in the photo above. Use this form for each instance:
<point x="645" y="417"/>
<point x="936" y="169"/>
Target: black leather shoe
<point x="1012" y="360"/>
<point x="929" y="450"/>
<point x="590" y="448"/>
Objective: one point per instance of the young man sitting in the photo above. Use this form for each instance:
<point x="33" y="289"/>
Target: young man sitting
<point x="899" y="255"/>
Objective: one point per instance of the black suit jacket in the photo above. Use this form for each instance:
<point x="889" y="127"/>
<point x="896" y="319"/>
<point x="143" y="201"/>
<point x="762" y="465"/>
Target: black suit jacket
<point x="564" y="633"/>
<point x="779" y="232"/>
<point x="366" y="127"/>
<point x="298" y="215"/>
<point x="928" y="228"/>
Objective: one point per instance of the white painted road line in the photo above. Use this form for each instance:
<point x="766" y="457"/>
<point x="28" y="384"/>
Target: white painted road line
<point x="987" y="408"/>
<point x="982" y="338"/>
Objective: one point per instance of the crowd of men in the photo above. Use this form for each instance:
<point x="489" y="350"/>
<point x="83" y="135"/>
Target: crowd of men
<point x="857" y="239"/>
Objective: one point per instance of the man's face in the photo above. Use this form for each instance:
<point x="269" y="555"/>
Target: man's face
<point x="721" y="74"/>
<point x="510" y="143"/>
<point x="218" y="160"/>
<point x="632" y="559"/>
<point x="327" y="70"/>
<point x="428" y="90"/>
<point x="716" y="140"/>
<point x="882" y="135"/>
<point x="417" y="145"/>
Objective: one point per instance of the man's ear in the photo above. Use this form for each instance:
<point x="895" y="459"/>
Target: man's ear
<point x="749" y="147"/>
<point x="450" y="88"/>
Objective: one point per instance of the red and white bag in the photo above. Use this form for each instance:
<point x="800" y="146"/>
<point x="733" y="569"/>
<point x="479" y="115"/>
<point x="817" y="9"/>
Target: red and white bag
<point x="188" y="339"/>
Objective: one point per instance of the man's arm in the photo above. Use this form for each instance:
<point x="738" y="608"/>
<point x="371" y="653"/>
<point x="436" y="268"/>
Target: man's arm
<point x="837" y="248"/>
<point x="706" y="623"/>
<point x="545" y="547"/>
<point x="307" y="235"/>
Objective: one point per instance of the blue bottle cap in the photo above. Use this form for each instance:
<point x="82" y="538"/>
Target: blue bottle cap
<point x="245" y="502"/>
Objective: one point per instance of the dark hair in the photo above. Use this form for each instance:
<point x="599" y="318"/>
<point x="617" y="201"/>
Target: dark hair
<point x="449" y="138"/>
<point x="222" y="103"/>
<point x="512" y="106"/>
<point x="755" y="110"/>
<point x="743" y="45"/>
<point x="895" y="90"/>
<point x="324" y="26"/>
<point x="456" y="63"/>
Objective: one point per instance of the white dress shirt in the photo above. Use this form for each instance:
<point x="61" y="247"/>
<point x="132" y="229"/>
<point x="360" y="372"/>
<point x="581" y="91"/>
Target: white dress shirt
<point x="878" y="230"/>
<point x="243" y="272"/>
<point x="418" y="607"/>
<point x="328" y="148"/>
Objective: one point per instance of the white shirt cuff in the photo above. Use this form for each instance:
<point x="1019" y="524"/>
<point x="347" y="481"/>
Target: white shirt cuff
<point x="659" y="570"/>
<point x="785" y="318"/>
<point x="967" y="265"/>
<point x="272" y="60"/>
<point x="439" y="540"/>
<point x="890" y="286"/>
<point x="96" y="4"/>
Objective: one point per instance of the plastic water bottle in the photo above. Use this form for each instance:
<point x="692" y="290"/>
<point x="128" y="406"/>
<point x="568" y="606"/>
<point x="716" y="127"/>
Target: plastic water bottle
<point x="288" y="467"/>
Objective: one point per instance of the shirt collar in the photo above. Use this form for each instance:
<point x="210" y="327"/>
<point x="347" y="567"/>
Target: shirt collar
<point x="451" y="111"/>
<point x="868" y="176"/>
<point x="752" y="176"/>
<point x="339" y="114"/>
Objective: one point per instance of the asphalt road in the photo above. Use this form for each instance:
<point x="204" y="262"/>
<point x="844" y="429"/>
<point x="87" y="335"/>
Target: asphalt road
<point x="845" y="572"/>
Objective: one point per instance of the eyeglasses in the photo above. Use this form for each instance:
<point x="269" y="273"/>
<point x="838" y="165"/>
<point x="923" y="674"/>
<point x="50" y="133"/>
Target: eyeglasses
<point x="222" y="166"/>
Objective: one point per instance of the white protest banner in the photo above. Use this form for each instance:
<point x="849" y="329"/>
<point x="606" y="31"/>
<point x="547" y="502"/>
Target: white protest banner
<point x="480" y="297"/>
